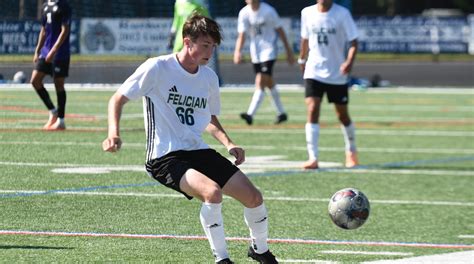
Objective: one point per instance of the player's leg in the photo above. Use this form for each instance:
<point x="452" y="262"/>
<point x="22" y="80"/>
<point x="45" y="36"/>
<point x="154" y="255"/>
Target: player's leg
<point x="41" y="70"/>
<point x="257" y="98"/>
<point x="267" y="81"/>
<point x="348" y="132"/>
<point x="241" y="188"/>
<point x="340" y="97"/>
<point x="313" y="93"/>
<point x="61" y="97"/>
<point x="196" y="184"/>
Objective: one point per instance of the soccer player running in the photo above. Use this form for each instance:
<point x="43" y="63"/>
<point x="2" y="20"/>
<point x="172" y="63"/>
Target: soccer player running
<point x="52" y="56"/>
<point x="326" y="30"/>
<point x="181" y="99"/>
<point x="261" y="22"/>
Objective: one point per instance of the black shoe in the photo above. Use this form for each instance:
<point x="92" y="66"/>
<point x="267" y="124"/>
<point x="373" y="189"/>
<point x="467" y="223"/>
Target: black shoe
<point x="281" y="118"/>
<point x="264" y="258"/>
<point x="247" y="118"/>
<point x="225" y="261"/>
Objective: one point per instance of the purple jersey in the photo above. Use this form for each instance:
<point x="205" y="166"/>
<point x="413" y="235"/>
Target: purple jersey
<point x="56" y="14"/>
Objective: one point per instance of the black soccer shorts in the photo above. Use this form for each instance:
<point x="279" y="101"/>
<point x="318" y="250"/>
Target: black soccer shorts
<point x="55" y="69"/>
<point x="264" y="67"/>
<point x="336" y="93"/>
<point x="169" y="169"/>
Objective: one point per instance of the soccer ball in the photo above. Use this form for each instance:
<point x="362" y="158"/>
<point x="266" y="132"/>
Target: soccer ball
<point x="349" y="208"/>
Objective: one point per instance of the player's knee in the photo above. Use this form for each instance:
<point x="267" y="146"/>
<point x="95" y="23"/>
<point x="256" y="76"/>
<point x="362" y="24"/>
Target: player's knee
<point x="212" y="194"/>
<point x="255" y="199"/>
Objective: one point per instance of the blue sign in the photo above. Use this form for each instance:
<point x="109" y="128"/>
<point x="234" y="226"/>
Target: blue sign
<point x="21" y="37"/>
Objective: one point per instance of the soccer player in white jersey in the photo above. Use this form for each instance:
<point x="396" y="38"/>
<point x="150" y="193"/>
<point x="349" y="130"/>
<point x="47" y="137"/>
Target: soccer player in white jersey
<point x="181" y="100"/>
<point x="327" y="29"/>
<point x="261" y="23"/>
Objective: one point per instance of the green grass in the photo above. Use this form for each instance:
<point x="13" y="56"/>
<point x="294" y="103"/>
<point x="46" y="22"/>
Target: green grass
<point x="417" y="146"/>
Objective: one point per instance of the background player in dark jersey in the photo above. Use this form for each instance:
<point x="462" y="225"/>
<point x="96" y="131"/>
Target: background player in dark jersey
<point x="52" y="57"/>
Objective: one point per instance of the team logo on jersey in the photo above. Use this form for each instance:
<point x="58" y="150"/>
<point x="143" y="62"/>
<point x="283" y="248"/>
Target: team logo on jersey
<point x="173" y="89"/>
<point x="185" y="100"/>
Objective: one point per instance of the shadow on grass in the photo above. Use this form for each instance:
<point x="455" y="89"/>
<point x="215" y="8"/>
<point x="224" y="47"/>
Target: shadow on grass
<point x="30" y="247"/>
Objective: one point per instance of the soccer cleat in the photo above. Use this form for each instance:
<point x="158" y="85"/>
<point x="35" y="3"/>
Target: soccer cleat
<point x="351" y="159"/>
<point x="281" y="118"/>
<point x="225" y="261"/>
<point x="57" y="126"/>
<point x="247" y="118"/>
<point x="311" y="165"/>
<point x="264" y="258"/>
<point x="51" y="121"/>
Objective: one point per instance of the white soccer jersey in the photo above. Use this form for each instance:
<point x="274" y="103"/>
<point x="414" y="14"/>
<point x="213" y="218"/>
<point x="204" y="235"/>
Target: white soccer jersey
<point x="261" y="27"/>
<point x="328" y="34"/>
<point x="177" y="105"/>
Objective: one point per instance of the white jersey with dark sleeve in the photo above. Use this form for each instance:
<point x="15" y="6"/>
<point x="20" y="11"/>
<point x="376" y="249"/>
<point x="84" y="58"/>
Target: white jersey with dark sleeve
<point x="328" y="35"/>
<point x="177" y="105"/>
<point x="261" y="27"/>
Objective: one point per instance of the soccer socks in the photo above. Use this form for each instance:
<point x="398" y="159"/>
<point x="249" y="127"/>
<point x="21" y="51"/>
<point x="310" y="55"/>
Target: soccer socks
<point x="257" y="221"/>
<point x="44" y="95"/>
<point x="257" y="100"/>
<point x="213" y="225"/>
<point x="61" y="103"/>
<point x="312" y="138"/>
<point x="349" y="137"/>
<point x="276" y="100"/>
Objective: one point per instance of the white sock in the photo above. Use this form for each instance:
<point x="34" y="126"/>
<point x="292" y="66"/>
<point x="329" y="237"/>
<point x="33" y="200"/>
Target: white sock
<point x="349" y="137"/>
<point x="257" y="221"/>
<point x="213" y="225"/>
<point x="61" y="121"/>
<point x="257" y="100"/>
<point x="312" y="138"/>
<point x="276" y="100"/>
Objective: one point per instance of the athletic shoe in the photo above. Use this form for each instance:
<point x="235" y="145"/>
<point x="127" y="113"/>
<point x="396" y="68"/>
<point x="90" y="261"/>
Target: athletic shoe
<point x="351" y="159"/>
<point x="57" y="126"/>
<point x="51" y="121"/>
<point x="247" y="118"/>
<point x="281" y="118"/>
<point x="225" y="261"/>
<point x="264" y="258"/>
<point x="310" y="165"/>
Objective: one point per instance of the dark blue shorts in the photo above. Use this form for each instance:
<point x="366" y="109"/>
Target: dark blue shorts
<point x="264" y="67"/>
<point x="55" y="69"/>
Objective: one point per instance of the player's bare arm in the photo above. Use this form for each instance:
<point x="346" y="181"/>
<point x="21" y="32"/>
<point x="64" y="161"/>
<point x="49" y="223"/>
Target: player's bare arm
<point x="304" y="49"/>
<point x="113" y="142"/>
<point x="290" y="57"/>
<point x="346" y="67"/>
<point x="61" y="38"/>
<point x="217" y="131"/>
<point x="238" y="48"/>
<point x="39" y="46"/>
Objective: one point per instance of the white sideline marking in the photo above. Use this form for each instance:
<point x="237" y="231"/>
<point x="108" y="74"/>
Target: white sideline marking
<point x="372" y="253"/>
<point x="269" y="198"/>
<point x="466" y="236"/>
<point x="306" y="261"/>
<point x="464" y="257"/>
<point x="261" y="147"/>
<point x="136" y="168"/>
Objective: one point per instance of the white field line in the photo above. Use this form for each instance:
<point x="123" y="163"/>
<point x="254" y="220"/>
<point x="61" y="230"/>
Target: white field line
<point x="466" y="236"/>
<point x="370" y="253"/>
<point x="463" y="257"/>
<point x="268" y="198"/>
<point x="306" y="261"/>
<point x="302" y="148"/>
<point x="384" y="118"/>
<point x="140" y="168"/>
<point x="248" y="88"/>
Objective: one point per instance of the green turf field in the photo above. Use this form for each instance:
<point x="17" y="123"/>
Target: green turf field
<point x="64" y="200"/>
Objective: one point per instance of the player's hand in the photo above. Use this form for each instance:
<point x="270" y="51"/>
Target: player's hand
<point x="345" y="67"/>
<point x="237" y="57"/>
<point x="35" y="57"/>
<point x="302" y="66"/>
<point x="238" y="153"/>
<point x="291" y="59"/>
<point x="112" y="144"/>
<point x="49" y="58"/>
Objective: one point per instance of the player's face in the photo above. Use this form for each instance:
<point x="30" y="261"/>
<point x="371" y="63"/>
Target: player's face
<point x="201" y="50"/>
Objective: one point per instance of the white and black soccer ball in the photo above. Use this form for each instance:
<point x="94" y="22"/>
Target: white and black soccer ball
<point x="349" y="208"/>
<point x="19" y="77"/>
